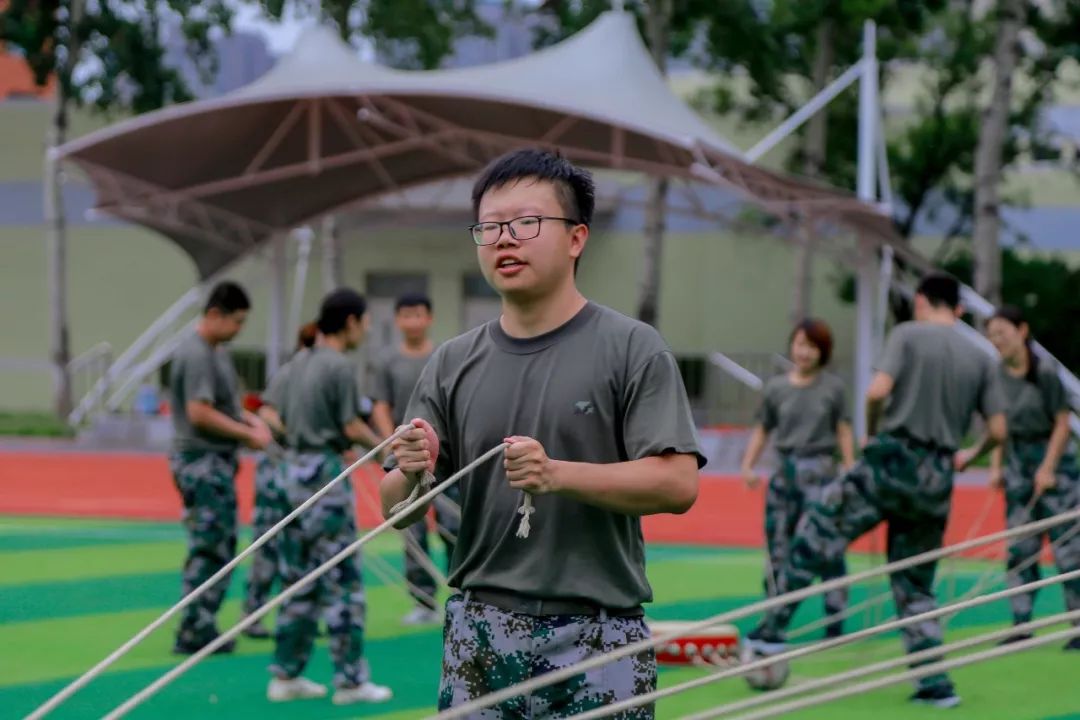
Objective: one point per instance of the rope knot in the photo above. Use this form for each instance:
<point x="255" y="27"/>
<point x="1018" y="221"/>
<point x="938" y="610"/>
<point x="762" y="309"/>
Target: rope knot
<point x="426" y="483"/>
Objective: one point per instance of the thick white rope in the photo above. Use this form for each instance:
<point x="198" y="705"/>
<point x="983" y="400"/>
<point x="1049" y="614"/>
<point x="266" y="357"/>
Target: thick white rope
<point x="743" y="669"/>
<point x="412" y="547"/>
<point x="93" y="672"/>
<point x="914" y="674"/>
<point x="927" y="654"/>
<point x="993" y="575"/>
<point x="554" y="676"/>
<point x="295" y="588"/>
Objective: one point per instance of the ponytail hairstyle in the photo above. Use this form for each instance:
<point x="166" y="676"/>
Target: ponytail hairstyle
<point x="1015" y="317"/>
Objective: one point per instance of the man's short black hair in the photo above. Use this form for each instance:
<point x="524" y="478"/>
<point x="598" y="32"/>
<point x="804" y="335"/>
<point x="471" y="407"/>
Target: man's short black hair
<point x="227" y="297"/>
<point x="574" y="186"/>
<point x="338" y="307"/>
<point x="940" y="290"/>
<point x="414" y="299"/>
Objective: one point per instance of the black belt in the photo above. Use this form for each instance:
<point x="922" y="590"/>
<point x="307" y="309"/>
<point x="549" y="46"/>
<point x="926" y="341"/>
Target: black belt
<point x="514" y="603"/>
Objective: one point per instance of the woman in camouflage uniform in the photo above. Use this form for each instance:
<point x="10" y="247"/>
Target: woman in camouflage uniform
<point x="1036" y="469"/>
<point x="806" y="410"/>
<point x="269" y="499"/>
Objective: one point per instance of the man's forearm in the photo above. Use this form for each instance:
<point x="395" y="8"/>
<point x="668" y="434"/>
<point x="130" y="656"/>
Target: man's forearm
<point x="382" y="420"/>
<point x="207" y="419"/>
<point x="394" y="488"/>
<point x="360" y="432"/>
<point x="754" y="448"/>
<point x="1059" y="439"/>
<point x="638" y="487"/>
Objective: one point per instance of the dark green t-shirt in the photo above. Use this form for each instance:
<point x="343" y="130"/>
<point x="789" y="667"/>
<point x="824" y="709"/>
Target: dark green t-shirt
<point x="1033" y="406"/>
<point x="603" y="388"/>
<point x="940" y="380"/>
<point x="396" y="374"/>
<point x="321" y="397"/>
<point x="803" y="420"/>
<point x="202" y="372"/>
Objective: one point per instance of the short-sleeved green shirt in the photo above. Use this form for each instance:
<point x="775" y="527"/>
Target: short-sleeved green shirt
<point x="202" y="372"/>
<point x="396" y="374"/>
<point x="940" y="380"/>
<point x="321" y="397"/>
<point x="803" y="419"/>
<point x="603" y="388"/>
<point x="1034" y="405"/>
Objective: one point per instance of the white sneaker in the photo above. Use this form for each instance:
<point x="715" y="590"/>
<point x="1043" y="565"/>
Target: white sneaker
<point x="298" y="688"/>
<point x="369" y="692"/>
<point x="421" y="615"/>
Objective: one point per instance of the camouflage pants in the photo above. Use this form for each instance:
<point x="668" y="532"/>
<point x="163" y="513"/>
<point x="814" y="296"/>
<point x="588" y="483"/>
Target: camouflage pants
<point x="447" y="520"/>
<point x="798" y="483"/>
<point x="487" y="649"/>
<point x="206" y="484"/>
<point x="314" y="537"/>
<point x="270" y="507"/>
<point x="908" y="486"/>
<point x="1024" y="459"/>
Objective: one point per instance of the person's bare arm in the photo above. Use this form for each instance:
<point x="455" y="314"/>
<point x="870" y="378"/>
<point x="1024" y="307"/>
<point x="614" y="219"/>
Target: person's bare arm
<point x="758" y="438"/>
<point x="881" y="387"/>
<point x="845" y="436"/>
<point x="382" y="418"/>
<point x="360" y="432"/>
<point x="659" y="484"/>
<point x="272" y="418"/>
<point x="205" y="417"/>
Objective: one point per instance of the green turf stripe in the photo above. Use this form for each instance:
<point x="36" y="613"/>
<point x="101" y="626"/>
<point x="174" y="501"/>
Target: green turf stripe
<point x="234" y="687"/>
<point x="49" y="649"/>
<point x="64" y="565"/>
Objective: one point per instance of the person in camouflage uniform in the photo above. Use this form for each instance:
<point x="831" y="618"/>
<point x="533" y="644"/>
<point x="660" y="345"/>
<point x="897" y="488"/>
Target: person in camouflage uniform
<point x="269" y="500"/>
<point x="209" y="426"/>
<point x="1037" y="469"/>
<point x="397" y="369"/>
<point x="321" y="415"/>
<point x="556" y="376"/>
<point x="930" y="382"/>
<point x="807" y="410"/>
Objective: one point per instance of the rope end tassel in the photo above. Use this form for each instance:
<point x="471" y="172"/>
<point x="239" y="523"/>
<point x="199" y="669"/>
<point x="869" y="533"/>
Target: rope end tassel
<point x="525" y="511"/>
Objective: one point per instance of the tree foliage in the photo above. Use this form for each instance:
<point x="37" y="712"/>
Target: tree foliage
<point x="407" y="34"/>
<point x="111" y="55"/>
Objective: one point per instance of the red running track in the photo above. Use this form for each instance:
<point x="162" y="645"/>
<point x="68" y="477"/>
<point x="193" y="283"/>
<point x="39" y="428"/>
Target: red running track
<point x="139" y="486"/>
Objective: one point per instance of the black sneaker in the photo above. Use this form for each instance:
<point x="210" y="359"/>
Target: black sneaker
<point x="185" y="648"/>
<point x="1073" y="645"/>
<point x="1015" y="638"/>
<point x="938" y="696"/>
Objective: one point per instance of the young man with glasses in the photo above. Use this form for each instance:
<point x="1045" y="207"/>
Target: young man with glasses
<point x="600" y="433"/>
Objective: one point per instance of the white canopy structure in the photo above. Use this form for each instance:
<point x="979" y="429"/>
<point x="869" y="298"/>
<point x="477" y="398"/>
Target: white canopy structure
<point x="323" y="130"/>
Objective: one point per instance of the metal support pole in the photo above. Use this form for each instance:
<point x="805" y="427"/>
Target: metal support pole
<point x="303" y="239"/>
<point x="865" y="274"/>
<point x="275" y="334"/>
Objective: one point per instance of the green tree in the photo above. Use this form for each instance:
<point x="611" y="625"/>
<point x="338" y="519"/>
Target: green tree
<point x="109" y="57"/>
<point x="407" y="34"/>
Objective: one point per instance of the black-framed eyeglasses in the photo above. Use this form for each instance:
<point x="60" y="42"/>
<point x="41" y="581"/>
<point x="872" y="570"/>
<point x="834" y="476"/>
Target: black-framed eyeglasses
<point x="521" y="228"/>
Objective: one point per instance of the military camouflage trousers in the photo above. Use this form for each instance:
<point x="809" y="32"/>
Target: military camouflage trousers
<point x="487" y="649"/>
<point x="307" y="542"/>
<point x="206" y="482"/>
<point x="1023" y="461"/>
<point x="270" y="506"/>
<point x="905" y="484"/>
<point x="422" y="585"/>
<point x="796" y="484"/>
